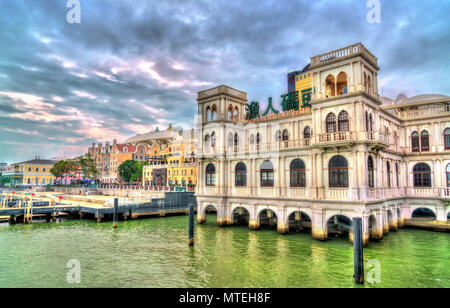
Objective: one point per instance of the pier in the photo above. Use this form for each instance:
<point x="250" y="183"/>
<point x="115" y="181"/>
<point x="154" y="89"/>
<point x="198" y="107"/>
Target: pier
<point x="172" y="203"/>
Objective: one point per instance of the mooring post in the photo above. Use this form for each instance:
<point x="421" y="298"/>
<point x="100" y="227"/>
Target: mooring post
<point x="116" y="212"/>
<point x="191" y="224"/>
<point x="358" y="250"/>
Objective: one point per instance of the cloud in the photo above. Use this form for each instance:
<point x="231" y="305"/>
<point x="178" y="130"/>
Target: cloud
<point x="132" y="66"/>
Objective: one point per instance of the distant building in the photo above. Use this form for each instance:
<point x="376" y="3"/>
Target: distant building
<point x="3" y="167"/>
<point x="299" y="80"/>
<point x="173" y="164"/>
<point x="32" y="172"/>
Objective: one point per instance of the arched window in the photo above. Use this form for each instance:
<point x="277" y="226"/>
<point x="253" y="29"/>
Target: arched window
<point x="370" y="123"/>
<point x="207" y="141"/>
<point x="424" y="141"/>
<point x="370" y="172"/>
<point x="307" y="132"/>
<point x="330" y="86"/>
<point x="236" y="141"/>
<point x="230" y="113"/>
<point x="447" y="138"/>
<point x="331" y="123"/>
<point x="214" y="113"/>
<point x="210" y="175"/>
<point x="415" y="142"/>
<point x="367" y="121"/>
<point x="266" y="174"/>
<point x="448" y="175"/>
<point x="258" y="141"/>
<point x="388" y="171"/>
<point x="213" y="140"/>
<point x="286" y="138"/>
<point x="338" y="172"/>
<point x="241" y="175"/>
<point x="208" y="114"/>
<point x="285" y="135"/>
<point x="236" y="114"/>
<point x="298" y="173"/>
<point x="343" y="121"/>
<point x="422" y="175"/>
<point x="342" y="83"/>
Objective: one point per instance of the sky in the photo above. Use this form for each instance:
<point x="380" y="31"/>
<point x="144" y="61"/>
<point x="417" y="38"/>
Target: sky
<point x="130" y="66"/>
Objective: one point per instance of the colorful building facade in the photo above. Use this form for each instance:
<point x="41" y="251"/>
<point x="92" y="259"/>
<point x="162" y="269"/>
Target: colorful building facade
<point x="33" y="172"/>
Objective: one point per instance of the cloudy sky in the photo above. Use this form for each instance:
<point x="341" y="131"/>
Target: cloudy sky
<point x="132" y="65"/>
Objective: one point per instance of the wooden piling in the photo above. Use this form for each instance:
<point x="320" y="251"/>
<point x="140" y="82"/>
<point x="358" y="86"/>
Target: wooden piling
<point x="191" y="225"/>
<point x="116" y="212"/>
<point x="358" y="251"/>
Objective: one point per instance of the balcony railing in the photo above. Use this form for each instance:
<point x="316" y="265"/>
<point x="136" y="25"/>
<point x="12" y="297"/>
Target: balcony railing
<point x="342" y="53"/>
<point x="334" y="137"/>
<point x="424" y="113"/>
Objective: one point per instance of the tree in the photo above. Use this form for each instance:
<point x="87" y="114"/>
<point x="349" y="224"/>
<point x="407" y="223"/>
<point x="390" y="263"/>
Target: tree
<point x="127" y="169"/>
<point x="63" y="168"/>
<point x="88" y="167"/>
<point x="131" y="171"/>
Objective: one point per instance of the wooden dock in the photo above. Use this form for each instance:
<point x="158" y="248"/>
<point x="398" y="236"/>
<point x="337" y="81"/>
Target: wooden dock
<point x="171" y="204"/>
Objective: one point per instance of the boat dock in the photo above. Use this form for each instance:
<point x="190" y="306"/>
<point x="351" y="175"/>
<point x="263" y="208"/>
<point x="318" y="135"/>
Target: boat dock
<point x="23" y="211"/>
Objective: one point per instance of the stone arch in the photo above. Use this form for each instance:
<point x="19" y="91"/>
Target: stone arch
<point x="203" y="208"/>
<point x="214" y="113"/>
<point x="299" y="221"/>
<point x="240" y="215"/>
<point x="373" y="232"/>
<point x="423" y="211"/>
<point x="267" y="218"/>
<point x="342" y="83"/>
<point x="330" y="86"/>
<point x="339" y="225"/>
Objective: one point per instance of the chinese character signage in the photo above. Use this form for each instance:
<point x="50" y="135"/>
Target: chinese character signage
<point x="252" y="110"/>
<point x="306" y="97"/>
<point x="290" y="101"/>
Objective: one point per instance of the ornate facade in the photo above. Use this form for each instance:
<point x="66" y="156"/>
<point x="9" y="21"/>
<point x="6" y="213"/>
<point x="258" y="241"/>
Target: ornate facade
<point x="351" y="154"/>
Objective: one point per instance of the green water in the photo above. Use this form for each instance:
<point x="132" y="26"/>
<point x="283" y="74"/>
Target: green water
<point x="154" y="253"/>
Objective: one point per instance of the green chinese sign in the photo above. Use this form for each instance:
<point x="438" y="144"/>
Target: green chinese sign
<point x="270" y="108"/>
<point x="252" y="110"/>
<point x="290" y="101"/>
<point x="306" y="97"/>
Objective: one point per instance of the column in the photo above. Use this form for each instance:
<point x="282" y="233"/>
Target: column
<point x="385" y="221"/>
<point x="283" y="223"/>
<point x="378" y="230"/>
<point x="319" y="225"/>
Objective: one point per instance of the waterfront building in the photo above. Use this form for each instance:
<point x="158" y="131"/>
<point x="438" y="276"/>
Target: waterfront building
<point x="174" y="165"/>
<point x="344" y="152"/>
<point x="109" y="157"/>
<point x="34" y="172"/>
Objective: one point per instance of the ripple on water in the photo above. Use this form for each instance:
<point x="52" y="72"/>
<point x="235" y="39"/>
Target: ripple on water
<point x="154" y="253"/>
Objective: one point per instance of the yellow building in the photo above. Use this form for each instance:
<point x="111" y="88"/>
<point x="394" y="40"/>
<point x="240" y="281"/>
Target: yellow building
<point x="172" y="166"/>
<point x="34" y="172"/>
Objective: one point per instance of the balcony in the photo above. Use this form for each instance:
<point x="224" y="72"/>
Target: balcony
<point x="424" y="113"/>
<point x="334" y="138"/>
<point x="342" y="54"/>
